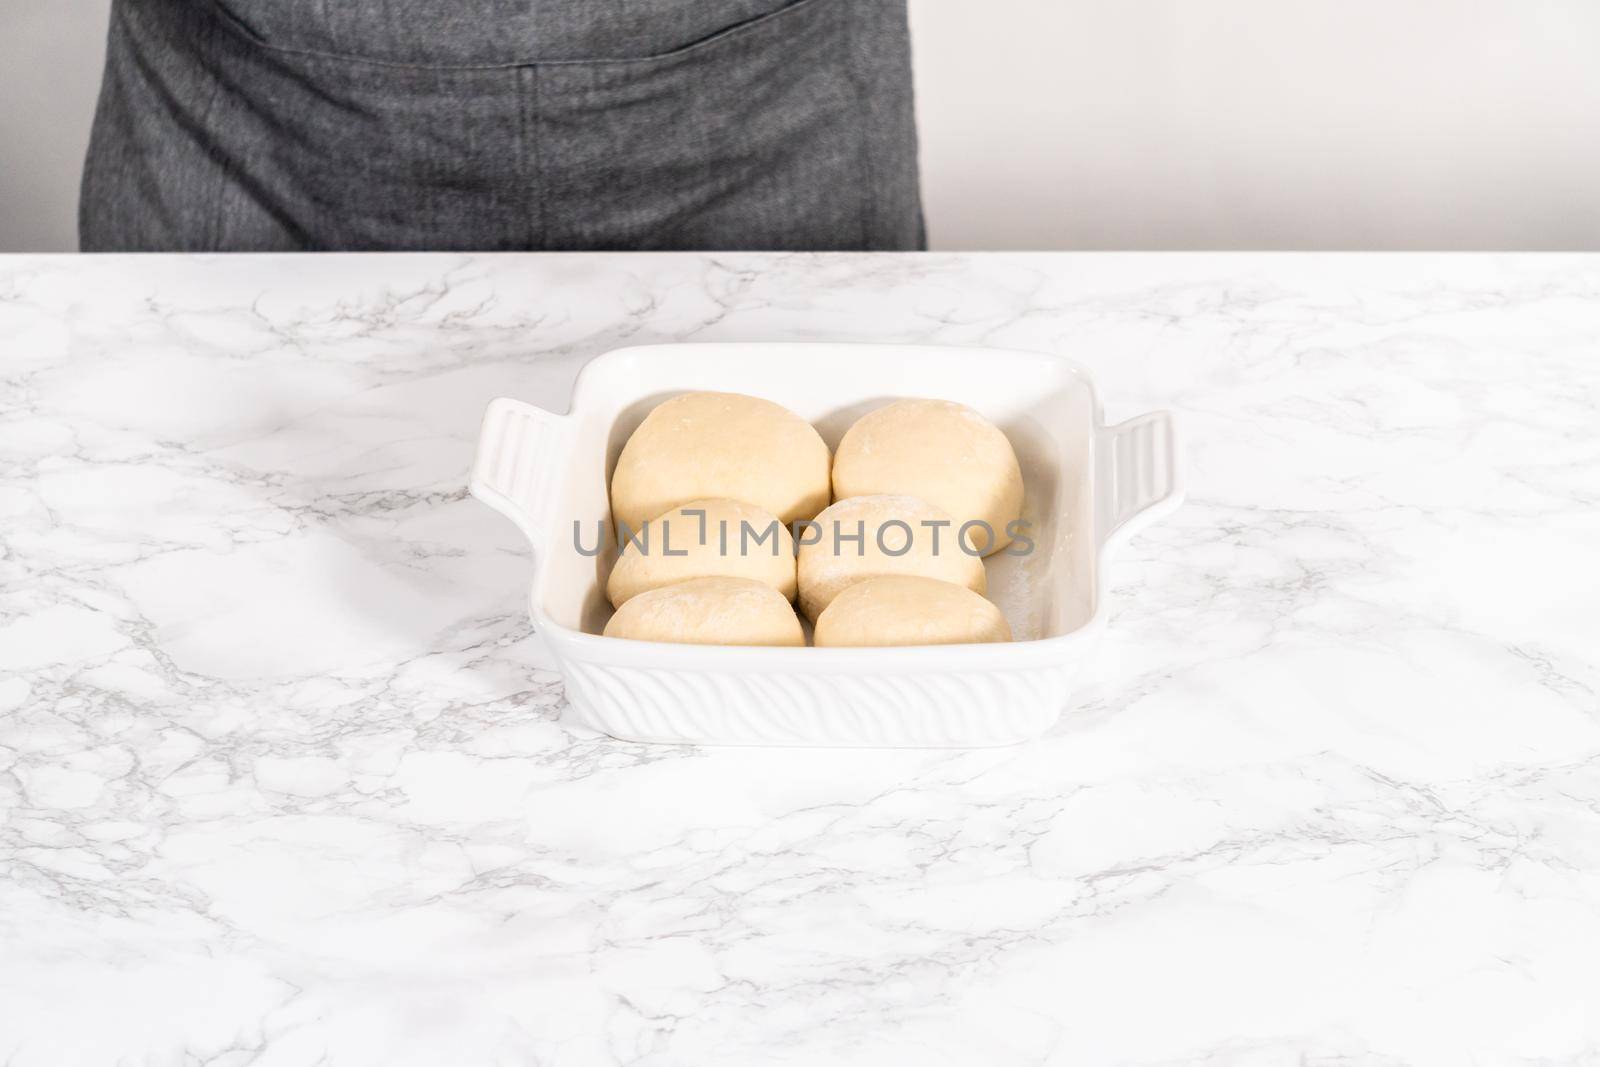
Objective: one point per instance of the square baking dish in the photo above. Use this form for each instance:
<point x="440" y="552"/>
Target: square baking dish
<point x="1086" y="485"/>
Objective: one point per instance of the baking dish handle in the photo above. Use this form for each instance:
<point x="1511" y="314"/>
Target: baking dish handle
<point x="1137" y="476"/>
<point x="519" y="449"/>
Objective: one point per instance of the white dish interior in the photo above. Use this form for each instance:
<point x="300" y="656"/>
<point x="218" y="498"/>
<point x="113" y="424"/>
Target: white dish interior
<point x="1045" y="406"/>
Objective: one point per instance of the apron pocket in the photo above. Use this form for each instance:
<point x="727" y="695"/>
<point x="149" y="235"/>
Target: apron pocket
<point x="754" y="138"/>
<point x="487" y="33"/>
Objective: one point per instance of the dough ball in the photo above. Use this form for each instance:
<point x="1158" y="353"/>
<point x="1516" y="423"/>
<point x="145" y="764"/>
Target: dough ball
<point x="702" y="445"/>
<point x="907" y="610"/>
<point x="709" y="611"/>
<point x="828" y="563"/>
<point x="705" y="539"/>
<point x="945" y="453"/>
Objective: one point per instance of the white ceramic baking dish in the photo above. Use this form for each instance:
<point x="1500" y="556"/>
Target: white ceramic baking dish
<point x="1086" y="485"/>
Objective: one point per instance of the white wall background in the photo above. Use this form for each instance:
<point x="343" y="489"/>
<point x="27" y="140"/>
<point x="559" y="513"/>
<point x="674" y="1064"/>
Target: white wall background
<point x="50" y="56"/>
<point x="1261" y="123"/>
<point x="1118" y="123"/>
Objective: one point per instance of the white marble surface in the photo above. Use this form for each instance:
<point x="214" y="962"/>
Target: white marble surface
<point x="284" y="778"/>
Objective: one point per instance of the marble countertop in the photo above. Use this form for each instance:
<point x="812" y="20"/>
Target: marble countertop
<point x="285" y="777"/>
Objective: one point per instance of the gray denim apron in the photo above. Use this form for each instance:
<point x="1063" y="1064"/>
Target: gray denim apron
<point x="504" y="124"/>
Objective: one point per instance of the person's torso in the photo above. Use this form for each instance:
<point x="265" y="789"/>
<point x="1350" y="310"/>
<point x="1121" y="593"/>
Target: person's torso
<point x="505" y="124"/>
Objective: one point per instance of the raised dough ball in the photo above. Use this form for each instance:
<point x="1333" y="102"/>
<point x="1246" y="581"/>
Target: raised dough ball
<point x="702" y="445"/>
<point x="906" y="610"/>
<point x="739" y="541"/>
<point x="709" y="611"/>
<point x="828" y="564"/>
<point x="945" y="453"/>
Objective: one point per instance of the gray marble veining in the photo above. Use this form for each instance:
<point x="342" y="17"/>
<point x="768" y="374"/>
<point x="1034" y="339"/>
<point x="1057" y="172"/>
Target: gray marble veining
<point x="284" y="775"/>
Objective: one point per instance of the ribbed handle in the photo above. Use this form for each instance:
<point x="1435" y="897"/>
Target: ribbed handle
<point x="1137" y="471"/>
<point x="519" y="450"/>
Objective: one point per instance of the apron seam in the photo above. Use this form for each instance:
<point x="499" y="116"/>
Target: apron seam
<point x="863" y="124"/>
<point x="212" y="241"/>
<point x="219" y="187"/>
<point x="541" y="237"/>
<point x="527" y="85"/>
